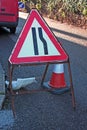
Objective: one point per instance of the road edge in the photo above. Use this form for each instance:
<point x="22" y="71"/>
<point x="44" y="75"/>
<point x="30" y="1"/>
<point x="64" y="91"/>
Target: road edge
<point x="2" y="86"/>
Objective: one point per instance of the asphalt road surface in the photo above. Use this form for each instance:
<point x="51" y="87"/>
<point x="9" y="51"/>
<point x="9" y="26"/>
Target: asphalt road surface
<point x="44" y="110"/>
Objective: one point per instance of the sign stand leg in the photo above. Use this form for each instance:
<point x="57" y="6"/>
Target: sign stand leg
<point x="71" y="86"/>
<point x="44" y="73"/>
<point x="10" y="67"/>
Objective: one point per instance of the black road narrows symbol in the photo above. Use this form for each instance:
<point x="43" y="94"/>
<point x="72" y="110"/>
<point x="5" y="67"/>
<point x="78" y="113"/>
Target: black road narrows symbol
<point x="43" y="41"/>
<point x="36" y="52"/>
<point x="35" y="41"/>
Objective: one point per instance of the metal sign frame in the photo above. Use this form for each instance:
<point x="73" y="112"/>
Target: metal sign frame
<point x="12" y="93"/>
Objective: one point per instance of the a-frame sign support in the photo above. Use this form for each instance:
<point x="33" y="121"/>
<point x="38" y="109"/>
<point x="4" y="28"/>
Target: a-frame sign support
<point x="43" y="47"/>
<point x="15" y="93"/>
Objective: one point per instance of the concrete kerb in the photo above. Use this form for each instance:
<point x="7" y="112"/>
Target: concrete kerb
<point x="2" y="86"/>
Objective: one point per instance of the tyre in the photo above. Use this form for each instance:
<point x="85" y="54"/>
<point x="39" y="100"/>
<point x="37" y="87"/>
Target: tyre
<point x="13" y="30"/>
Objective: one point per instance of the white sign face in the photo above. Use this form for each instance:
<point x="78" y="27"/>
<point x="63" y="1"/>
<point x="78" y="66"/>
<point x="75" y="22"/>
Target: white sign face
<point x="28" y="46"/>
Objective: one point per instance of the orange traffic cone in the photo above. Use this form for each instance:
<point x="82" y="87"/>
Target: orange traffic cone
<point x="57" y="81"/>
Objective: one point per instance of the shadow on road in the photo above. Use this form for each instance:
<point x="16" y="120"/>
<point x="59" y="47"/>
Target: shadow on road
<point x="69" y="34"/>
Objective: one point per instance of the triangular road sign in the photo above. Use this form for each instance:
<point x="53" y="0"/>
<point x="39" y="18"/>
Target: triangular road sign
<point x="37" y="43"/>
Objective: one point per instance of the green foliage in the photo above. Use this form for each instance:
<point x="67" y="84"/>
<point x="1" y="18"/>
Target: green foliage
<point x="53" y="6"/>
<point x="71" y="6"/>
<point x="34" y="4"/>
<point x="71" y="11"/>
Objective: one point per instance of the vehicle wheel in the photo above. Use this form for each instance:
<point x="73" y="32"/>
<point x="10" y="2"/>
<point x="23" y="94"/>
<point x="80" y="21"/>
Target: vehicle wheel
<point x="13" y="30"/>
